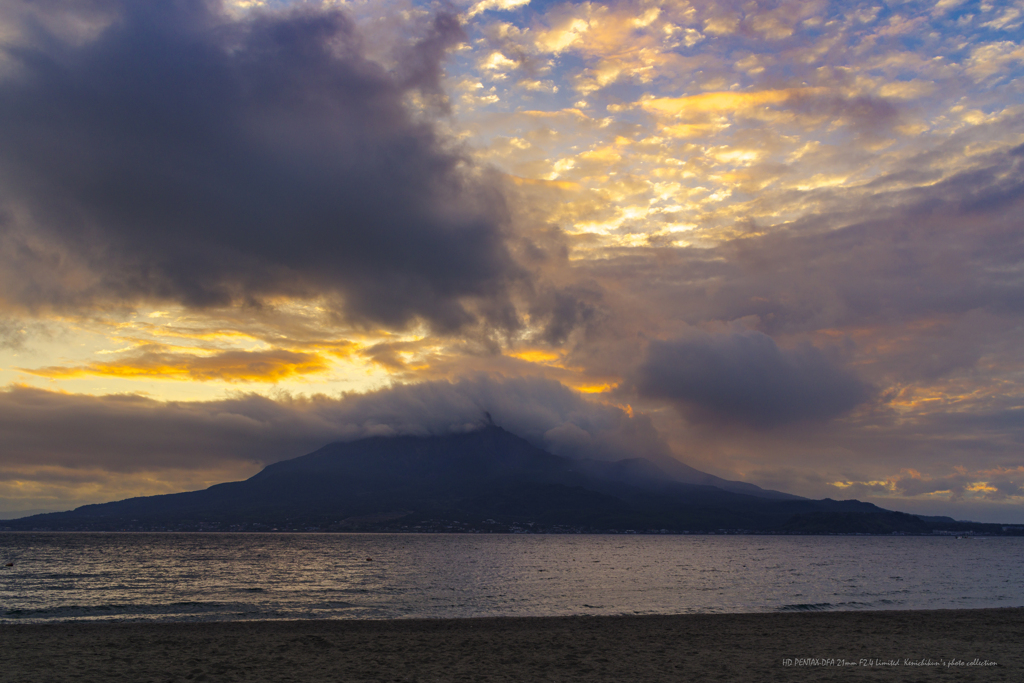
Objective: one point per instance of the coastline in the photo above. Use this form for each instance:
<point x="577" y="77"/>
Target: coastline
<point x="972" y="644"/>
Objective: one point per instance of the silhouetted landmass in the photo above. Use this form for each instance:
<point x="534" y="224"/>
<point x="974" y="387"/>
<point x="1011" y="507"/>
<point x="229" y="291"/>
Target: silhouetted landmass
<point x="483" y="481"/>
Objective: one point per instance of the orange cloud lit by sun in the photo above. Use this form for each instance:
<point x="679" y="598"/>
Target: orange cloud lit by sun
<point x="227" y="366"/>
<point x="594" y="388"/>
<point x="722" y="102"/>
<point x="535" y="355"/>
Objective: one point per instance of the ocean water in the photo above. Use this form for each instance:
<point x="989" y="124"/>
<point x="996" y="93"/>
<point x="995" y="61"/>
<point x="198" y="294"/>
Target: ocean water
<point x="216" y="577"/>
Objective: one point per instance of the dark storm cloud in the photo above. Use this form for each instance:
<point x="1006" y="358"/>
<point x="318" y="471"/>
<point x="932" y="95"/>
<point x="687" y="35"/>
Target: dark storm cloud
<point x="563" y="310"/>
<point x="745" y="377"/>
<point x="176" y="152"/>
<point x="128" y="433"/>
<point x="421" y="66"/>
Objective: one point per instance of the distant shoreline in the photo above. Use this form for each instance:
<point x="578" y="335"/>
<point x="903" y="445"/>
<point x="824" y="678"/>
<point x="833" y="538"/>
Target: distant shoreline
<point x="1014" y="531"/>
<point x="979" y="644"/>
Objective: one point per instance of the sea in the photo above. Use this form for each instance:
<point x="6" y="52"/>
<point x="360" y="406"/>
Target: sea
<point x="186" y="577"/>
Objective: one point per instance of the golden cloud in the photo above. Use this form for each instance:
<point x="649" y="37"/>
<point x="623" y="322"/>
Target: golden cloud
<point x="225" y="366"/>
<point x="722" y="102"/>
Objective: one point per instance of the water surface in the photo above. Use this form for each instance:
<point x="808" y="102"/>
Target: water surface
<point x="205" y="577"/>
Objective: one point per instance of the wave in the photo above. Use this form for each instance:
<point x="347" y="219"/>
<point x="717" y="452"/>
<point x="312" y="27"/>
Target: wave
<point x="807" y="607"/>
<point x="117" y="611"/>
<point x="826" y="606"/>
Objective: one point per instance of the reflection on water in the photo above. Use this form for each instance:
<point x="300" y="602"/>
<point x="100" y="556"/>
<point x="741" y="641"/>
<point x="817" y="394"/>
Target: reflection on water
<point x="192" y="577"/>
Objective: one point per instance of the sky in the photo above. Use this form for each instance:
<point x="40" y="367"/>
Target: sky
<point x="782" y="242"/>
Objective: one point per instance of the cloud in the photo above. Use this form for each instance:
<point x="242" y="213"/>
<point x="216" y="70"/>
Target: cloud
<point x="564" y="310"/>
<point x="88" y="441"/>
<point x="745" y="377"/>
<point x="14" y="332"/>
<point x="484" y="5"/>
<point x="801" y="170"/>
<point x="721" y="102"/>
<point x="177" y="152"/>
<point x="999" y="484"/>
<point x="154" y="361"/>
<point x="921" y="279"/>
<point x="542" y="411"/>
<point x="699" y="114"/>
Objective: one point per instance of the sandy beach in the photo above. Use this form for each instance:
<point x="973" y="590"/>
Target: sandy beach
<point x="887" y="645"/>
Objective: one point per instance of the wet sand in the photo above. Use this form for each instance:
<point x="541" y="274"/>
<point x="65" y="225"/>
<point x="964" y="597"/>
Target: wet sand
<point x="983" y="645"/>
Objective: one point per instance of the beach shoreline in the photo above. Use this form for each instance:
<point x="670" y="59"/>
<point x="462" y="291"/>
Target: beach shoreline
<point x="973" y="644"/>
